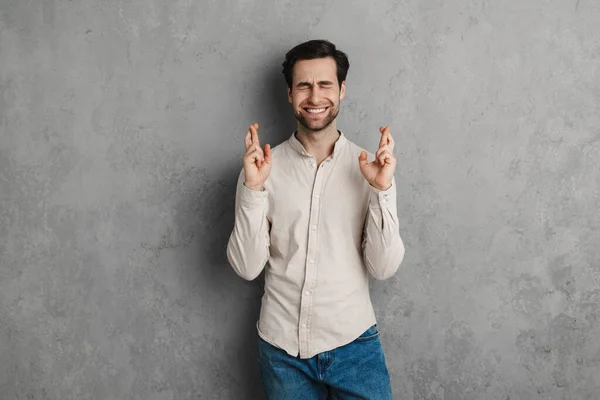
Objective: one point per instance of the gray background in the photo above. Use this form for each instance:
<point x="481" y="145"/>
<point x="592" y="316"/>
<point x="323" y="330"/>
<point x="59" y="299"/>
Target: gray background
<point x="121" y="136"/>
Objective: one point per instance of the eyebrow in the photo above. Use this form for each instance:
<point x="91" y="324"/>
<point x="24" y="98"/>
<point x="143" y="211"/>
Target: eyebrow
<point x="308" y="84"/>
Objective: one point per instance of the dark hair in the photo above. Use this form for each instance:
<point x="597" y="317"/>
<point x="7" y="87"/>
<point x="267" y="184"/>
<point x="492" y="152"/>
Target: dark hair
<point x="315" y="49"/>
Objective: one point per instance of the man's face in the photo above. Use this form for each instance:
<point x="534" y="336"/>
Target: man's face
<point x="315" y="94"/>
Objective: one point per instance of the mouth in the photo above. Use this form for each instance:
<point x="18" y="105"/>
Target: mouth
<point x="315" y="110"/>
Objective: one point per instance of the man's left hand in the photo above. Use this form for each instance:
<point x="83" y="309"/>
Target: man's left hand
<point x="380" y="172"/>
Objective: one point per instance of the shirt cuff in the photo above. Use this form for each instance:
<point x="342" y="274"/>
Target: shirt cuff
<point x="251" y="197"/>
<point x="383" y="198"/>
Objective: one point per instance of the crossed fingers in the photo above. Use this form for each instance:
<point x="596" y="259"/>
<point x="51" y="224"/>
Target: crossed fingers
<point x="385" y="152"/>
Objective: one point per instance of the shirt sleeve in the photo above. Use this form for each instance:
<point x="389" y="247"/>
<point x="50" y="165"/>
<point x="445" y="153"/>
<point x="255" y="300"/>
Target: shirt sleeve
<point x="248" y="246"/>
<point x="383" y="249"/>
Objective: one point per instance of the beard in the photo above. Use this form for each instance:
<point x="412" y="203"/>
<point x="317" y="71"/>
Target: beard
<point x="321" y="124"/>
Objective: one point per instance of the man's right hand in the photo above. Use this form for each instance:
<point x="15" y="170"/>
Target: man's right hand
<point x="257" y="163"/>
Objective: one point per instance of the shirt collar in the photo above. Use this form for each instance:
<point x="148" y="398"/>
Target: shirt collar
<point x="299" y="148"/>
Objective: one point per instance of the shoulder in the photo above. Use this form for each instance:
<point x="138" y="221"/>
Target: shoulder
<point x="281" y="149"/>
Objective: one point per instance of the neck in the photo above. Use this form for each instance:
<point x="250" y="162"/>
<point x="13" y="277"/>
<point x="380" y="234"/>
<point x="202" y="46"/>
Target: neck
<point x="318" y="143"/>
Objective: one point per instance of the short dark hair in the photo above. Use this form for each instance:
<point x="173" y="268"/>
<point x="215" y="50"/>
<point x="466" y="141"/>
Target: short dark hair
<point x="311" y="50"/>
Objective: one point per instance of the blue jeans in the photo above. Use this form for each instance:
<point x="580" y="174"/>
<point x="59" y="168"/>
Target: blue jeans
<point x="351" y="372"/>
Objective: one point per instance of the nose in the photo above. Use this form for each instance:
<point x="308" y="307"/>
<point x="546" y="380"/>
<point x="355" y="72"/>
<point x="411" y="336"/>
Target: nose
<point x="315" y="95"/>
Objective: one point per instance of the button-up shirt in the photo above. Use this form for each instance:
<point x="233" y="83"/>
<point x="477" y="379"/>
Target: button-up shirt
<point x="318" y="230"/>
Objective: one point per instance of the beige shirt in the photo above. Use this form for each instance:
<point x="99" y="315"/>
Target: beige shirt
<point x="322" y="230"/>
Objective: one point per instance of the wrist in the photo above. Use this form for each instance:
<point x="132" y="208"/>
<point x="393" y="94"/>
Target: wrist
<point x="258" y="188"/>
<point x="382" y="188"/>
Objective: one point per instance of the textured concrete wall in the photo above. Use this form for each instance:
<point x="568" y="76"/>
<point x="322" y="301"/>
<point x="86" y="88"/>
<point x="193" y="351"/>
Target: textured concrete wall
<point x="121" y="135"/>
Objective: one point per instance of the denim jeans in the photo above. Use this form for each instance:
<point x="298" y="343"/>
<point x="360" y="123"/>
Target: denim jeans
<point x="351" y="372"/>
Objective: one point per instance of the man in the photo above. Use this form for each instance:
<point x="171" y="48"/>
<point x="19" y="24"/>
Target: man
<point x="324" y="217"/>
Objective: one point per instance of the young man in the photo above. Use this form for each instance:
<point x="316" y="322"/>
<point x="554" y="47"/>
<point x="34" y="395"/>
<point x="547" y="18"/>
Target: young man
<point x="324" y="217"/>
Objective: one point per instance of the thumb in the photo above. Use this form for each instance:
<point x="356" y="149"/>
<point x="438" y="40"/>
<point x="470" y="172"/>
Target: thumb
<point x="362" y="159"/>
<point x="268" y="153"/>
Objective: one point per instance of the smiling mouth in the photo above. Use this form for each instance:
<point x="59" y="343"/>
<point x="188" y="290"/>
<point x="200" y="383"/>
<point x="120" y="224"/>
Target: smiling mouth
<point x="316" y="111"/>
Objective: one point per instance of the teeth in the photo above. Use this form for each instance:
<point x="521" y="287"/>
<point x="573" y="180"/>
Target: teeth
<point x="316" y="110"/>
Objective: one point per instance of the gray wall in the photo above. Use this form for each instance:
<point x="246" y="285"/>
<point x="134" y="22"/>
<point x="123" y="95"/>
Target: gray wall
<point x="121" y="136"/>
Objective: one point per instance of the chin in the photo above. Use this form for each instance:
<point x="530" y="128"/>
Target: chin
<point x="316" y="126"/>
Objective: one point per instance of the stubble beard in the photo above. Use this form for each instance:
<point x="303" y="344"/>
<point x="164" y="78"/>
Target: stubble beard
<point x="318" y="126"/>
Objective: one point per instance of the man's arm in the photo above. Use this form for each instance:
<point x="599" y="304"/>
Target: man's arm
<point x="248" y="246"/>
<point x="383" y="249"/>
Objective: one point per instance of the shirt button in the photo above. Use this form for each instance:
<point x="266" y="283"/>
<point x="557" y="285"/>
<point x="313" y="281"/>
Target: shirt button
<point x="312" y="260"/>
<point x="307" y="293"/>
<point x="314" y="227"/>
<point x="304" y="325"/>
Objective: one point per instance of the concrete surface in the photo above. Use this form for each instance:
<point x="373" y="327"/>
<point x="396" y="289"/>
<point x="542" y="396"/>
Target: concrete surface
<point x="121" y="135"/>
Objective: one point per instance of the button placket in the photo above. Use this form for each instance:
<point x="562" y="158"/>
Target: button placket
<point x="310" y="270"/>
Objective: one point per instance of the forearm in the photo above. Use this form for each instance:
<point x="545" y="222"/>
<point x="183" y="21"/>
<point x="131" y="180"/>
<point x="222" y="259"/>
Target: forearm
<point x="383" y="248"/>
<point x="248" y="246"/>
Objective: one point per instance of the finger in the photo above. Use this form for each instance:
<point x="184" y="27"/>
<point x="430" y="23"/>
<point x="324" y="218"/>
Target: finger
<point x="390" y="163"/>
<point x="362" y="159"/>
<point x="253" y="147"/>
<point x="266" y="157"/>
<point x="250" y="156"/>
<point x="255" y="158"/>
<point x="262" y="159"/>
<point x="255" y="152"/>
<point x="267" y="153"/>
<point x="384" y="135"/>
<point x="382" y="149"/>
<point x="390" y="139"/>
<point x="260" y="153"/>
<point x="248" y="139"/>
<point x="384" y="157"/>
<point x="254" y="130"/>
<point x="381" y="139"/>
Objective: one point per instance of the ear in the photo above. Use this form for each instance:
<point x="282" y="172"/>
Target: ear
<point x="343" y="90"/>
<point x="289" y="95"/>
